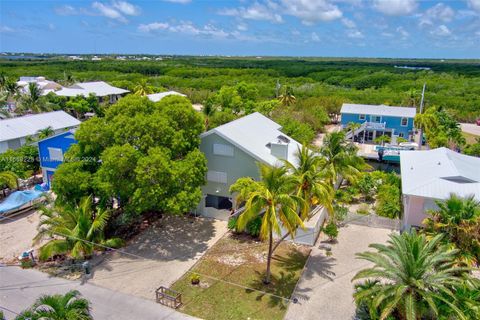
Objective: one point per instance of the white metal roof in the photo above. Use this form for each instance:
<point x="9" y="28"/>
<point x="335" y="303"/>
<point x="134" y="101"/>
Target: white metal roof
<point x="159" y="96"/>
<point x="439" y="172"/>
<point x="380" y="110"/>
<point x="28" y="125"/>
<point x="99" y="88"/>
<point x="252" y="133"/>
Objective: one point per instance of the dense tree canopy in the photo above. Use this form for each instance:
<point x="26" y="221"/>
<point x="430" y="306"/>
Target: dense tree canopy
<point x="142" y="154"/>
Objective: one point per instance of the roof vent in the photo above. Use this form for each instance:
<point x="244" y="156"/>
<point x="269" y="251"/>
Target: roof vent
<point x="282" y="138"/>
<point x="459" y="179"/>
<point x="268" y="145"/>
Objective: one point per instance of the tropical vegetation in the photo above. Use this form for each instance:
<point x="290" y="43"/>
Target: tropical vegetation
<point x="76" y="230"/>
<point x="69" y="306"/>
<point x="413" y="277"/>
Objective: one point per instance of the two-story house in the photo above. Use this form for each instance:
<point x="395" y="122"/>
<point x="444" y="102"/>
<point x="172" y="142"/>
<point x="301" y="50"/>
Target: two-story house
<point x="233" y="151"/>
<point x="51" y="152"/>
<point x="377" y="120"/>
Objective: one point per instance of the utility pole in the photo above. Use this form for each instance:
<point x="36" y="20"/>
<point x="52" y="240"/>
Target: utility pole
<point x="421" y="111"/>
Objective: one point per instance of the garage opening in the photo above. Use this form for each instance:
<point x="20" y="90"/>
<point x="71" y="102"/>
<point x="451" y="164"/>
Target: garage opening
<point x="218" y="202"/>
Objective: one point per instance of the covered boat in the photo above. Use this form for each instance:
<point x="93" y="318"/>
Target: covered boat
<point x="19" y="201"/>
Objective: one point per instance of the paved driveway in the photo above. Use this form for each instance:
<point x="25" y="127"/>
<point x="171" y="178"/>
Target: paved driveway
<point x="20" y="288"/>
<point x="471" y="128"/>
<point x="172" y="246"/>
<point x="325" y="289"/>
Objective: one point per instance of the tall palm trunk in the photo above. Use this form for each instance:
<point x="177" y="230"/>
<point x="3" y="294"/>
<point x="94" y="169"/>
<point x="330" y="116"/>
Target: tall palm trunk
<point x="269" y="258"/>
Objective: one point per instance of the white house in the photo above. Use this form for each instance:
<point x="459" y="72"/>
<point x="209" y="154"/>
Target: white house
<point x="14" y="131"/>
<point x="98" y="88"/>
<point x="43" y="84"/>
<point x="433" y="175"/>
<point x="155" y="97"/>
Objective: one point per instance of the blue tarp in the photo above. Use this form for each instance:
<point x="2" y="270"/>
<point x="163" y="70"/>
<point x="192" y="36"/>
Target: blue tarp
<point x="18" y="199"/>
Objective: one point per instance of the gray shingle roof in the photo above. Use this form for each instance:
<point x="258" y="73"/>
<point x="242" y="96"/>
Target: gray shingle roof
<point x="380" y="110"/>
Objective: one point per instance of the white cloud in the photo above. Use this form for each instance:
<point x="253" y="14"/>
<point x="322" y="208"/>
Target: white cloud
<point x="65" y="10"/>
<point x="474" y="4"/>
<point x="312" y="11"/>
<point x="126" y="8"/>
<point x="179" y="1"/>
<point x="441" y="31"/>
<point x="255" y="12"/>
<point x="402" y="33"/>
<point x="315" y="37"/>
<point x="439" y="12"/>
<point x="5" y="29"/>
<point x="349" y="23"/>
<point x="395" y="7"/>
<point x="242" y="27"/>
<point x="355" y="34"/>
<point x="108" y="11"/>
<point x="185" y="27"/>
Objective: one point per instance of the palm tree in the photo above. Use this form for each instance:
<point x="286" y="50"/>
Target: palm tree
<point x="271" y="196"/>
<point x="46" y="132"/>
<point x="426" y="122"/>
<point x="415" y="277"/>
<point x="33" y="101"/>
<point x="208" y="111"/>
<point x="70" y="306"/>
<point x="142" y="88"/>
<point x="287" y="98"/>
<point x="8" y="179"/>
<point x="76" y="230"/>
<point x="459" y="220"/>
<point x="352" y="127"/>
<point x="341" y="160"/>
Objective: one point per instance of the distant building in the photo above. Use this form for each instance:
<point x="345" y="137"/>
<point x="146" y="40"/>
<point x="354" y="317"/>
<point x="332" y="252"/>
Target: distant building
<point x="159" y="96"/>
<point x="377" y="120"/>
<point x="14" y="131"/>
<point x="95" y="58"/>
<point x="99" y="88"/>
<point x="43" y="84"/>
<point x="433" y="175"/>
<point x="51" y="152"/>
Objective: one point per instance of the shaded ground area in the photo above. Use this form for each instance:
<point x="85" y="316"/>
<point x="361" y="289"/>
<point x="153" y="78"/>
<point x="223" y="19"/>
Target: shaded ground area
<point x="172" y="245"/>
<point x="20" y="288"/>
<point x="325" y="290"/>
<point x="240" y="262"/>
<point x="16" y="235"/>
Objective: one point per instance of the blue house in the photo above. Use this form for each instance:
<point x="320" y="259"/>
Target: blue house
<point x="377" y="120"/>
<point x="51" y="151"/>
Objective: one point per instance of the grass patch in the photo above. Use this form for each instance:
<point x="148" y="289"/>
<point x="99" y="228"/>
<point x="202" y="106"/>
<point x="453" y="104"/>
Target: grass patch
<point x="240" y="259"/>
<point x="470" y="138"/>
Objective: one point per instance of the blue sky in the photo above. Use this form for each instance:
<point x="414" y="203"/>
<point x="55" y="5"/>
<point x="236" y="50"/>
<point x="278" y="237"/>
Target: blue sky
<point x="344" y="28"/>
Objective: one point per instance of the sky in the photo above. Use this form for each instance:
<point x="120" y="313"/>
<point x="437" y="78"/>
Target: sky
<point x="328" y="28"/>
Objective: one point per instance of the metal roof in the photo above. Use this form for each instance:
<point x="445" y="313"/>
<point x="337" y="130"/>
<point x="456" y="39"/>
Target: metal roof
<point x="252" y="134"/>
<point x="28" y="125"/>
<point x="99" y="88"/>
<point x="159" y="96"/>
<point x="380" y="110"/>
<point x="439" y="172"/>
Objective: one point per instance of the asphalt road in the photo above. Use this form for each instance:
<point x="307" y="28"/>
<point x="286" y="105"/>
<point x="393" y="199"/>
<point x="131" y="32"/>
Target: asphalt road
<point x="471" y="128"/>
<point x="20" y="288"/>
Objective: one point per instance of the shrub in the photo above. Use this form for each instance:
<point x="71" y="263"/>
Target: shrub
<point x="254" y="226"/>
<point x="388" y="201"/>
<point x="232" y="223"/>
<point x="340" y="212"/>
<point x="331" y="230"/>
<point x="363" y="209"/>
<point x="195" y="278"/>
<point x="299" y="131"/>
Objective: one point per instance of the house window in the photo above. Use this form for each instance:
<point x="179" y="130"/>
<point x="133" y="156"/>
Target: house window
<point x="362" y="117"/>
<point x="217" y="202"/>
<point x="376" y="119"/>
<point x="217" y="176"/>
<point x="55" y="154"/>
<point x="222" y="150"/>
<point x="404" y="122"/>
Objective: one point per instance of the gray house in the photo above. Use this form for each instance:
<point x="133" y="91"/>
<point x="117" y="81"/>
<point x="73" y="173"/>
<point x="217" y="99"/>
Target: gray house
<point x="233" y="151"/>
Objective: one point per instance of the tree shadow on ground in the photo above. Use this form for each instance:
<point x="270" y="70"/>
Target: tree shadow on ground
<point x="294" y="261"/>
<point x="277" y="291"/>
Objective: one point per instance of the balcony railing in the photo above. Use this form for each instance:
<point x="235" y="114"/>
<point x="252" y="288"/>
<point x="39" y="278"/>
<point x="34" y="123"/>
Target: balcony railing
<point x="376" y="125"/>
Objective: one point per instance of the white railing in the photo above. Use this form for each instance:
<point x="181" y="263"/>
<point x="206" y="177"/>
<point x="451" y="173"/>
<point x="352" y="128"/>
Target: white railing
<point x="376" y="125"/>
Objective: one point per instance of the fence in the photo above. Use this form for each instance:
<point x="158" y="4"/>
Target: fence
<point x="372" y="220"/>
